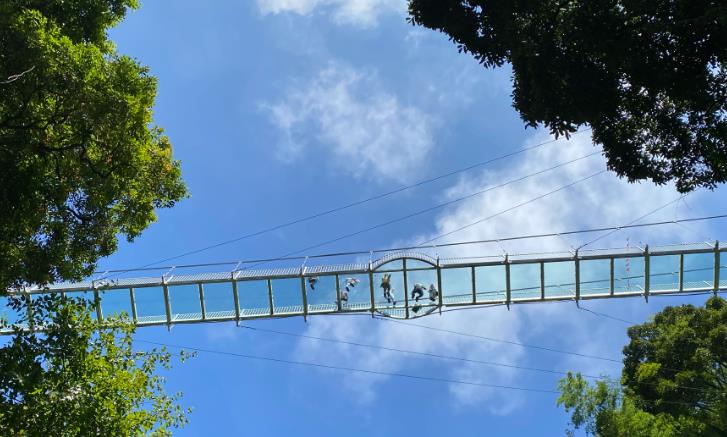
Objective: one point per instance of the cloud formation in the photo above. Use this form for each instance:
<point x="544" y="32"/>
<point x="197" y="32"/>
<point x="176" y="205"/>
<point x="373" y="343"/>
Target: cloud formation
<point x="360" y="13"/>
<point x="367" y="131"/>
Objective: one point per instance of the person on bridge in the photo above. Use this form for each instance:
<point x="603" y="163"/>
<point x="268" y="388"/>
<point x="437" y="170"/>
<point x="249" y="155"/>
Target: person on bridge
<point x="344" y="297"/>
<point x="351" y="283"/>
<point x="389" y="296"/>
<point x="418" y="292"/>
<point x="386" y="282"/>
<point x="386" y="285"/>
<point x="433" y="293"/>
<point x="313" y="280"/>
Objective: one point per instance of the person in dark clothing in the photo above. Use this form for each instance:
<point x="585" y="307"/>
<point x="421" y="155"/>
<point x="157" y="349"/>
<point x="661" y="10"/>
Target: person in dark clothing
<point x="433" y="293"/>
<point x="417" y="292"/>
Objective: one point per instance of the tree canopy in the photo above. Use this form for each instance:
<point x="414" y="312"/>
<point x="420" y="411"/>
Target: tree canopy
<point x="81" y="161"/>
<point x="674" y="380"/>
<point x="649" y="77"/>
<point x="74" y="379"/>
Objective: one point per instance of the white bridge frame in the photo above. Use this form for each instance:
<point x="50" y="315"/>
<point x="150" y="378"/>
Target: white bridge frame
<point x="705" y="278"/>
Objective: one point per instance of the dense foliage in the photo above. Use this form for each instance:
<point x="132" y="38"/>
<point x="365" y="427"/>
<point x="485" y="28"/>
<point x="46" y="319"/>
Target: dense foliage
<point x="80" y="160"/>
<point x="75" y="379"/>
<point x="674" y="381"/>
<point x="80" y="164"/>
<point x="649" y="77"/>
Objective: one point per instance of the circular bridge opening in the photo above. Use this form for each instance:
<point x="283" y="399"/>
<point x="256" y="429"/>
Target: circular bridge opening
<point x="406" y="286"/>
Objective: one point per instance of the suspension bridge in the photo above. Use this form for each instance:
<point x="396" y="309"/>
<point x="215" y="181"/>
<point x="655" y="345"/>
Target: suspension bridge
<point x="236" y="294"/>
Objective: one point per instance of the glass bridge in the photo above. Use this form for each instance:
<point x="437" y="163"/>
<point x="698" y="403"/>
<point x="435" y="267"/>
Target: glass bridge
<point x="400" y="285"/>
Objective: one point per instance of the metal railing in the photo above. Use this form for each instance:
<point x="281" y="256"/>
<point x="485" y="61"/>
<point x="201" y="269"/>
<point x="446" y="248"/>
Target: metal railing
<point x="329" y="289"/>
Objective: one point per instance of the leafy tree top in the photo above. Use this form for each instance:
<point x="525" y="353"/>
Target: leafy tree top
<point x="674" y="380"/>
<point x="649" y="77"/>
<point x="80" y="159"/>
<point x="78" y="379"/>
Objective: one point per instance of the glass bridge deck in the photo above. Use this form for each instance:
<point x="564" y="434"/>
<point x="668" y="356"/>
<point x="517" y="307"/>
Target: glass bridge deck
<point x="329" y="289"/>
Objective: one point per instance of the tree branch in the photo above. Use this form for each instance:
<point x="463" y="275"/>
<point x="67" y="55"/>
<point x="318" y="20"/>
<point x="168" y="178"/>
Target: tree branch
<point x="14" y="77"/>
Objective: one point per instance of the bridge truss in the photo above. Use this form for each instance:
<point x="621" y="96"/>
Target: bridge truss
<point x="242" y="294"/>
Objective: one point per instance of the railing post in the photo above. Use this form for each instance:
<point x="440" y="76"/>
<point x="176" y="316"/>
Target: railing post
<point x="681" y="272"/>
<point x="304" y="293"/>
<point x="406" y="290"/>
<point x="303" y="290"/>
<point x="612" y="274"/>
<point x="97" y="305"/>
<point x="542" y="280"/>
<point x="167" y="303"/>
<point x="132" y="300"/>
<point x="371" y="288"/>
<point x="202" y="305"/>
<point x="439" y="285"/>
<point x="29" y="303"/>
<point x="577" y="262"/>
<point x="338" y="292"/>
<point x="647" y="273"/>
<point x="235" y="297"/>
<point x="474" y="284"/>
<point x="270" y="296"/>
<point x="508" y="291"/>
<point x="717" y="265"/>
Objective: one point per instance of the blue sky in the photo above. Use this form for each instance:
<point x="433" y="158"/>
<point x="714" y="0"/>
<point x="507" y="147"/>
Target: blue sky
<point x="282" y="108"/>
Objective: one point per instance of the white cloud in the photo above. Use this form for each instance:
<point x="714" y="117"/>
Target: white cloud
<point x="361" y="13"/>
<point x="366" y="129"/>
<point x="605" y="200"/>
<point x="365" y="387"/>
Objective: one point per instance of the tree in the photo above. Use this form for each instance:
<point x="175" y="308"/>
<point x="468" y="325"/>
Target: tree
<point x="649" y="77"/>
<point x="80" y="160"/>
<point x="674" y="380"/>
<point x="75" y="379"/>
<point x="80" y="164"/>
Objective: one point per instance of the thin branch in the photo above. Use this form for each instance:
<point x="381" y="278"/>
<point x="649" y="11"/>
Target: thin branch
<point x="14" y="77"/>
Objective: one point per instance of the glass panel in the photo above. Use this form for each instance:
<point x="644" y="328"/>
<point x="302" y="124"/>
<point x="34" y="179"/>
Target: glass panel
<point x="457" y="285"/>
<point x="219" y="302"/>
<point x="184" y="300"/>
<point x="116" y="303"/>
<point x="595" y="276"/>
<point x="560" y="279"/>
<point x="7" y="314"/>
<point x="395" y="290"/>
<point x="628" y="275"/>
<point x="357" y="289"/>
<point x="321" y="293"/>
<point x="525" y="281"/>
<point x="287" y="297"/>
<point x="413" y="264"/>
<point x="422" y="286"/>
<point x="664" y="273"/>
<point x="253" y="297"/>
<point x="150" y="304"/>
<point x="490" y="283"/>
<point x="698" y="271"/>
<point x="392" y="265"/>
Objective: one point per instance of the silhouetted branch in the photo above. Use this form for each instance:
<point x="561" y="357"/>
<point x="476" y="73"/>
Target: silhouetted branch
<point x="14" y="77"/>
